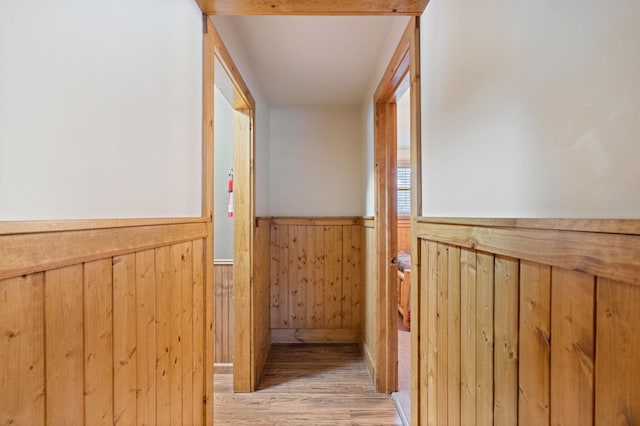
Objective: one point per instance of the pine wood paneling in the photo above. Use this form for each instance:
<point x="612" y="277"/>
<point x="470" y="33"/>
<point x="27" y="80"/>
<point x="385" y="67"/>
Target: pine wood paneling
<point x="484" y="338"/>
<point x="64" y="345"/>
<point x="98" y="341"/>
<point x="146" y="336"/>
<point x="453" y="336"/>
<point x="317" y="273"/>
<point x="404" y="234"/>
<point x="114" y="340"/>
<point x="538" y="344"/>
<point x="506" y="341"/>
<point x="199" y="381"/>
<point x="468" y="336"/>
<point x="22" y="375"/>
<point x="617" y="370"/>
<point x="124" y="341"/>
<point x="261" y="307"/>
<point x="224" y="313"/>
<point x="572" y="349"/>
<point x="279" y="282"/>
<point x="535" y="343"/>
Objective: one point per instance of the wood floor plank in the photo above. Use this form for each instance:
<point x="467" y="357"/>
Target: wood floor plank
<point x="304" y="384"/>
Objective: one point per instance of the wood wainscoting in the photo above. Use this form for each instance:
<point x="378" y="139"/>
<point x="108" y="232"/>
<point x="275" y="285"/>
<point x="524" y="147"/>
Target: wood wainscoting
<point x="526" y="322"/>
<point x="224" y="313"/>
<point x="316" y="279"/>
<point x="404" y="234"/>
<point x="104" y="322"/>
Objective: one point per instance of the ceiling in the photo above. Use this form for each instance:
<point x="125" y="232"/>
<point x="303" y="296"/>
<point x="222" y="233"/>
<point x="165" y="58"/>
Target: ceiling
<point x="313" y="60"/>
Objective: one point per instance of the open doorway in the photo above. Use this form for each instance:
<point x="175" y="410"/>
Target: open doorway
<point x="398" y="90"/>
<point x="402" y="397"/>
<point x="221" y="71"/>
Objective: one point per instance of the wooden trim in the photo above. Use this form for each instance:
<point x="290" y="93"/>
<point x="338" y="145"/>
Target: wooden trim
<point x="244" y="216"/>
<point x="398" y="67"/>
<point x="222" y="368"/>
<point x="207" y="211"/>
<point x="609" y="226"/>
<point x="28" y="253"/>
<point x="369" y="222"/>
<point x="315" y="335"/>
<point x="315" y="220"/>
<point x="243" y="98"/>
<point x="39" y="226"/>
<point x="402" y="63"/>
<point x="297" y="7"/>
<point x="612" y="256"/>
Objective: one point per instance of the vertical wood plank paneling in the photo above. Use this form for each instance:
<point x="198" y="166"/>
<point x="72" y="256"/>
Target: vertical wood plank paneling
<point x="124" y="339"/>
<point x="442" y="344"/>
<point x="98" y="343"/>
<point x="297" y="290"/>
<point x="175" y="335"/>
<point x="506" y="341"/>
<point x="468" y="330"/>
<point x="146" y="337"/>
<point x="348" y="251"/>
<point x="453" y="336"/>
<point x="224" y="313"/>
<point x="22" y="375"/>
<point x="262" y="329"/>
<point x="198" y="332"/>
<point x="357" y="275"/>
<point x="163" y="309"/>
<point x="422" y="340"/>
<point x="319" y="276"/>
<point x="64" y="346"/>
<point x="311" y="278"/>
<point x="535" y="344"/>
<point x="432" y="335"/>
<point x="617" y="370"/>
<point x="572" y="350"/>
<point x="221" y="323"/>
<point x="333" y="276"/>
<point x="484" y="338"/>
<point x="186" y="268"/>
<point x="279" y="281"/>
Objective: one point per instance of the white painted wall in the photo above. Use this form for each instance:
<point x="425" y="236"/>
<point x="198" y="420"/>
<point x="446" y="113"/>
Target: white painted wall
<point x="223" y="162"/>
<point x="367" y="119"/>
<point x="316" y="161"/>
<point x="224" y="25"/>
<point x="531" y="109"/>
<point x="100" y="109"/>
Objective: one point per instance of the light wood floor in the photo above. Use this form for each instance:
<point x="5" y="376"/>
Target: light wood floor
<point x="307" y="385"/>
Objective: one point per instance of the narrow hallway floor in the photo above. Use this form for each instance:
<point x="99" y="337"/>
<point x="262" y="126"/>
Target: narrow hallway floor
<point x="304" y="384"/>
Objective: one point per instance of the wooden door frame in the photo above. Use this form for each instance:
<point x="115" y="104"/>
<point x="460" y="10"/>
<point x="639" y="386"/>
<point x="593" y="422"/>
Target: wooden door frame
<point x="405" y="61"/>
<point x="244" y="379"/>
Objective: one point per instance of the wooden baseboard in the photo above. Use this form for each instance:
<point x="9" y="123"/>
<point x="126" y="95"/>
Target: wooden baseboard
<point x="368" y="359"/>
<point x="314" y="335"/>
<point x="222" y="368"/>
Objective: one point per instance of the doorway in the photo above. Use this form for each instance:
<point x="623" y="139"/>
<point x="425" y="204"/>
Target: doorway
<point x="217" y="60"/>
<point x="401" y="77"/>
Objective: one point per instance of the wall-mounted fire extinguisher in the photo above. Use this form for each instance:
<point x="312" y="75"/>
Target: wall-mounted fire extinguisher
<point x="230" y="194"/>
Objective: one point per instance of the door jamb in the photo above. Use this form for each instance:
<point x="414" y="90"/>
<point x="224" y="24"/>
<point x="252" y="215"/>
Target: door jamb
<point x="244" y="379"/>
<point x="405" y="60"/>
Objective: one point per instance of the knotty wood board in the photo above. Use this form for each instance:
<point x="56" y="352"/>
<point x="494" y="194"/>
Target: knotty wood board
<point x="617" y="370"/>
<point x="98" y="340"/>
<point x="572" y="347"/>
<point x="22" y="376"/>
<point x="535" y="343"/>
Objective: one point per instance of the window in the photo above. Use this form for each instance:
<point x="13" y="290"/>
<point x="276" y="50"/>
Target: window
<point x="404" y="191"/>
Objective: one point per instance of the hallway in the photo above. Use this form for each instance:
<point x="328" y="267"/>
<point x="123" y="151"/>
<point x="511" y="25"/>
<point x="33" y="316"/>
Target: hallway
<point x="307" y="385"/>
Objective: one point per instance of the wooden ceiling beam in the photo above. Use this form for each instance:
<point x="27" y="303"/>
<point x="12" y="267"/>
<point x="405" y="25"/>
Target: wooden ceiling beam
<point x="313" y="7"/>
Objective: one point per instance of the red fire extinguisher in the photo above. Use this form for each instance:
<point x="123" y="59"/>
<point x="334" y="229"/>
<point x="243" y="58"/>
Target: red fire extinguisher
<point x="230" y="194"/>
